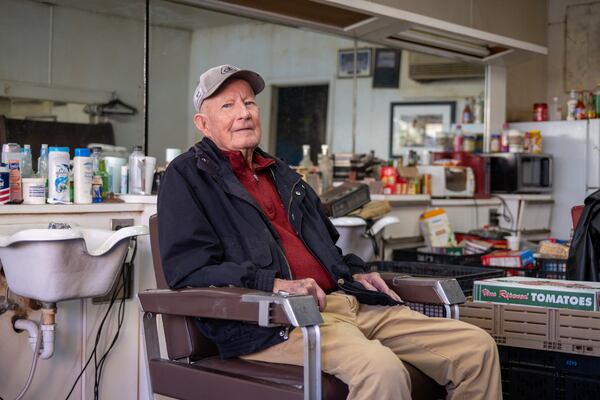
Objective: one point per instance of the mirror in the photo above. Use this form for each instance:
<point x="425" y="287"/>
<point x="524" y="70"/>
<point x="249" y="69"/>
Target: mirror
<point x="310" y="90"/>
<point x="62" y="55"/>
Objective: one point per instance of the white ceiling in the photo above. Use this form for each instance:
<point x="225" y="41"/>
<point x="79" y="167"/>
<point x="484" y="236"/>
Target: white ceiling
<point x="162" y="13"/>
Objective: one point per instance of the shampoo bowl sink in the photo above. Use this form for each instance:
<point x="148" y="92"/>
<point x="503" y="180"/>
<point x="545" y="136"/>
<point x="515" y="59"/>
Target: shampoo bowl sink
<point x="52" y="265"/>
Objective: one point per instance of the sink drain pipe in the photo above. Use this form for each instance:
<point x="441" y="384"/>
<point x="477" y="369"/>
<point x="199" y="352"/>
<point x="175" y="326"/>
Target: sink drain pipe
<point x="43" y="347"/>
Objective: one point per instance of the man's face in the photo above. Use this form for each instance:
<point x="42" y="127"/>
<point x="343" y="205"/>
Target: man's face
<point x="231" y="117"/>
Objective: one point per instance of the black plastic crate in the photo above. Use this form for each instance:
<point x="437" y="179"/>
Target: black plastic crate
<point x="538" y="374"/>
<point x="551" y="268"/>
<point x="464" y="274"/>
<point x="436" y="256"/>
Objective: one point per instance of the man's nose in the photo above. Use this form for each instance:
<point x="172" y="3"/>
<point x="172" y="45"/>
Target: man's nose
<point x="243" y="111"/>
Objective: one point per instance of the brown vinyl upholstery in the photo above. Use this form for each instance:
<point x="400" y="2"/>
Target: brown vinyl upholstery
<point x="218" y="378"/>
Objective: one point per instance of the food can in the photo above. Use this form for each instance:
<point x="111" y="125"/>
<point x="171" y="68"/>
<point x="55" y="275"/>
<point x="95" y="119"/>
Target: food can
<point x="4" y="185"/>
<point x="426" y="185"/>
<point x="540" y="112"/>
<point x="495" y="143"/>
<point x="535" y="138"/>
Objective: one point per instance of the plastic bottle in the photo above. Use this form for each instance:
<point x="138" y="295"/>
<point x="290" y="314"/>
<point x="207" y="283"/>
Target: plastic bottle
<point x="590" y="109"/>
<point x="136" y="171"/>
<point x="580" y="107"/>
<point x="325" y="167"/>
<point x="58" y="174"/>
<point x="478" y="110"/>
<point x="26" y="165"/>
<point x="467" y="115"/>
<point x="82" y="176"/>
<point x="96" y="156"/>
<point x="458" y="138"/>
<point x="306" y="162"/>
<point x="42" y="162"/>
<point x="556" y="113"/>
<point x="572" y="106"/>
<point x="106" y="188"/>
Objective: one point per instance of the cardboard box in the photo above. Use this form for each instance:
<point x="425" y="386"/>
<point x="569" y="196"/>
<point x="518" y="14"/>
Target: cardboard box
<point x="539" y="292"/>
<point x="435" y="228"/>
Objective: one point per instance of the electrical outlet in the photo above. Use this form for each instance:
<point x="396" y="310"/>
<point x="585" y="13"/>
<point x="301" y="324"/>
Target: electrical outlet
<point x="494" y="217"/>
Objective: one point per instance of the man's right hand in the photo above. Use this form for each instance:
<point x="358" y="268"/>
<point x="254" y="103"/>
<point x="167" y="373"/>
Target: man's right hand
<point x="301" y="286"/>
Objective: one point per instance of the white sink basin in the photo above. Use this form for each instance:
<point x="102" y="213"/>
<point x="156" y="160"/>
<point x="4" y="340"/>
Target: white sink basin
<point x="52" y="265"/>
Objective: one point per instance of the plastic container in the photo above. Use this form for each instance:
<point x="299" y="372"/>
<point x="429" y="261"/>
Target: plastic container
<point x="34" y="191"/>
<point x="26" y="165"/>
<point x="82" y="176"/>
<point x="437" y="255"/>
<point x="464" y="274"/>
<point x="58" y="174"/>
<point x="113" y="168"/>
<point x="136" y="171"/>
<point x="551" y="268"/>
<point x="124" y="179"/>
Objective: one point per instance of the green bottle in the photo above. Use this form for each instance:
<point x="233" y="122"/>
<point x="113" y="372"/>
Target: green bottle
<point x="105" y="181"/>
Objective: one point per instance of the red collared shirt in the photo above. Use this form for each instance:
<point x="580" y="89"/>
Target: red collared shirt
<point x="261" y="187"/>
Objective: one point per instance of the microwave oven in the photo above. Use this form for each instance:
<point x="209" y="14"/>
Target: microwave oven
<point x="520" y="173"/>
<point x="450" y="181"/>
<point x="477" y="162"/>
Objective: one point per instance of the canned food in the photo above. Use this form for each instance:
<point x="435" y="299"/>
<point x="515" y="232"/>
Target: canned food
<point x="540" y="112"/>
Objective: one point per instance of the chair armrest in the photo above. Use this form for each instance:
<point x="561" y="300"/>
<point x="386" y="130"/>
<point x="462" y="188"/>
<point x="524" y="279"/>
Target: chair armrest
<point x="212" y="302"/>
<point x="442" y="291"/>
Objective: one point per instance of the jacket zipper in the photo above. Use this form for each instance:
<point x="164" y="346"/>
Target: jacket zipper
<point x="300" y="236"/>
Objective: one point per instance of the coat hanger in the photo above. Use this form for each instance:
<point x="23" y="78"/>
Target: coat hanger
<point x="114" y="107"/>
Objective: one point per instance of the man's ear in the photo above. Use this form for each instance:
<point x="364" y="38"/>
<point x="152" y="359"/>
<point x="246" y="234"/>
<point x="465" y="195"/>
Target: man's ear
<point x="201" y="122"/>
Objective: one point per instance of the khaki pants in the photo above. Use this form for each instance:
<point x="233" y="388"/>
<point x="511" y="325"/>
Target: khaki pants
<point x="363" y="346"/>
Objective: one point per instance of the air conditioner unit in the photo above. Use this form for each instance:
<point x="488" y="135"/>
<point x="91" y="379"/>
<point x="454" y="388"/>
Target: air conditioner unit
<point x="425" y="68"/>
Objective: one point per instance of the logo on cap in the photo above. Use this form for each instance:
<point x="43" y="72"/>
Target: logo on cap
<point x="228" y="68"/>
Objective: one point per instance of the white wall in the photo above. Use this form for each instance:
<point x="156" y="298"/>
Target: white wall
<point x="286" y="56"/>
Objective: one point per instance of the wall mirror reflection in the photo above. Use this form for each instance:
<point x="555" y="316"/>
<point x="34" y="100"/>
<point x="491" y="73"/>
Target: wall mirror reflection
<point x="306" y="101"/>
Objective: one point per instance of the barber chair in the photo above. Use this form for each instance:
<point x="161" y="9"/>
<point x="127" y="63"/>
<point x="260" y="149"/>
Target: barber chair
<point x="194" y="370"/>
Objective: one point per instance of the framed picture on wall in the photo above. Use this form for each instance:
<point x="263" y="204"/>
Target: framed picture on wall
<point x="419" y="124"/>
<point x="346" y="67"/>
<point x="386" y="72"/>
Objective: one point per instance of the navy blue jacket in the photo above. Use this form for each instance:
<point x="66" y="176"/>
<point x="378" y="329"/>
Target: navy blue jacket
<point x="212" y="232"/>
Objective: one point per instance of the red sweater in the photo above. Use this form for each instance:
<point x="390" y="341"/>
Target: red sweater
<point x="262" y="188"/>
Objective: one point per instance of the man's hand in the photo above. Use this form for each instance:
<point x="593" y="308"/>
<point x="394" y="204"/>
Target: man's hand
<point x="301" y="286"/>
<point x="374" y="281"/>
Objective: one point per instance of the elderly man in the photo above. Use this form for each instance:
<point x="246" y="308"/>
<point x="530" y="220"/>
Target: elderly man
<point x="231" y="214"/>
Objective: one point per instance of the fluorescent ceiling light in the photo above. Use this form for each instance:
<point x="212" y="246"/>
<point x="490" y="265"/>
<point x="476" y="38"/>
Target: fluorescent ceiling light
<point x="445" y="42"/>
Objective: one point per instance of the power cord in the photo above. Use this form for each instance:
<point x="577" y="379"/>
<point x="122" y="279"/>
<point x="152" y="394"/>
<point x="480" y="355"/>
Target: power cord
<point x="99" y="364"/>
<point x="508" y="218"/>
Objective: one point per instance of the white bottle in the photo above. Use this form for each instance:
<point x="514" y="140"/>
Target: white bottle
<point x="572" y="106"/>
<point x="325" y="167"/>
<point x="82" y="176"/>
<point x="556" y="110"/>
<point x="58" y="175"/>
<point x="137" y="171"/>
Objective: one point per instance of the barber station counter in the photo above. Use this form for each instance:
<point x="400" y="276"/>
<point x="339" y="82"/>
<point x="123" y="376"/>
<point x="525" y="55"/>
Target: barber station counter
<point x="77" y="321"/>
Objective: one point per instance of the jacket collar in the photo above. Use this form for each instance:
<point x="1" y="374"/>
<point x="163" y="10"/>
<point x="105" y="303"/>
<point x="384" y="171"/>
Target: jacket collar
<point x="211" y="160"/>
